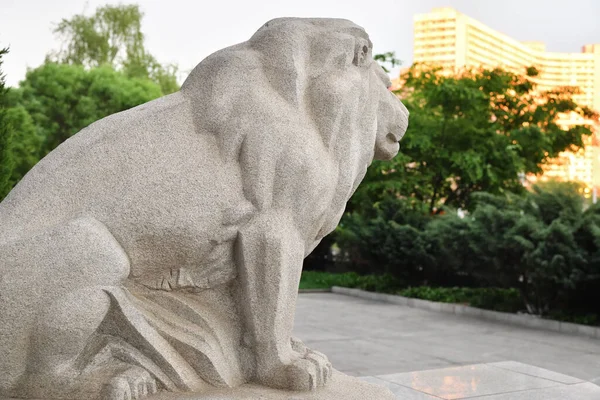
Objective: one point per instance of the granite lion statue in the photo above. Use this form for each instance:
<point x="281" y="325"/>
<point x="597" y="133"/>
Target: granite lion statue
<point x="161" y="248"/>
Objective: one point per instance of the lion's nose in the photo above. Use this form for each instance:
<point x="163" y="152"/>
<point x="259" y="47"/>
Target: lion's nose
<point x="394" y="115"/>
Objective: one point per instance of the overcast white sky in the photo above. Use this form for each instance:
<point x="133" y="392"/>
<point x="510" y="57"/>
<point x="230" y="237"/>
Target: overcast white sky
<point x="186" y="31"/>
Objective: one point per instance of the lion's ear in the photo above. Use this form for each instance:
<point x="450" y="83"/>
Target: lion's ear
<point x="339" y="50"/>
<point x="327" y="50"/>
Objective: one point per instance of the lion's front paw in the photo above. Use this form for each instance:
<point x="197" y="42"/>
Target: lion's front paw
<point x="311" y="371"/>
<point x="133" y="384"/>
<point x="298" y="346"/>
<point x="320" y="360"/>
<point x="308" y="370"/>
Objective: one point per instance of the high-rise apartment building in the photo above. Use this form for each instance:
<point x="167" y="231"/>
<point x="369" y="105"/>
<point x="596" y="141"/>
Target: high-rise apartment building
<point x="452" y="40"/>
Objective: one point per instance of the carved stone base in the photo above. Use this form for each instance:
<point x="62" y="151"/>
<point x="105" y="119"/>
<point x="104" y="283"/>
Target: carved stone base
<point x="341" y="387"/>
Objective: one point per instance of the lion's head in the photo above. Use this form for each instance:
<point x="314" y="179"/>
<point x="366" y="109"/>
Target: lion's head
<point x="321" y="67"/>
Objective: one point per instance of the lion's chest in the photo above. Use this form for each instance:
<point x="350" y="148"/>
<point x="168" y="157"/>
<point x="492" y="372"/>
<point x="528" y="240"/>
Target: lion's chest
<point x="312" y="185"/>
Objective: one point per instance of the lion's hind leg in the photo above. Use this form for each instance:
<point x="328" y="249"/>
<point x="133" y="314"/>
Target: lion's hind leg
<point x="59" y="336"/>
<point x="132" y="383"/>
<point x="53" y="303"/>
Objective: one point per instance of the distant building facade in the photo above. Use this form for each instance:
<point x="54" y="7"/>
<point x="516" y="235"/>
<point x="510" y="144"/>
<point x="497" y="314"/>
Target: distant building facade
<point x="454" y="41"/>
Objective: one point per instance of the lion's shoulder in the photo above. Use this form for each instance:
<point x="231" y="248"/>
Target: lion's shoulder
<point x="223" y="69"/>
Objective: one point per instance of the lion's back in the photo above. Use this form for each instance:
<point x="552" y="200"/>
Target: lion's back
<point x="132" y="163"/>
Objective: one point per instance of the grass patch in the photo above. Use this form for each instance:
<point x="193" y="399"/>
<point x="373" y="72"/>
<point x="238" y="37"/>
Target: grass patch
<point x="505" y="300"/>
<point x="372" y="283"/>
<point x="575" y="318"/>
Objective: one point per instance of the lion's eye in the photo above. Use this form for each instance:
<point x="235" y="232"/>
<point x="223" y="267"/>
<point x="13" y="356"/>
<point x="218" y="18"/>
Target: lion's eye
<point x="360" y="55"/>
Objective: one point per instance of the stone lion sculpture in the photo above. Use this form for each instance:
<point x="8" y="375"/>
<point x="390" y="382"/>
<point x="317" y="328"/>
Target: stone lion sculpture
<point x="161" y="247"/>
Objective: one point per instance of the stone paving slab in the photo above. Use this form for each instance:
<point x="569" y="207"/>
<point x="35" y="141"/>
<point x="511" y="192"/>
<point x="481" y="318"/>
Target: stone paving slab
<point x="537" y="372"/>
<point x="467" y="381"/>
<point x="581" y="391"/>
<point x="369" y="338"/>
<point x="496" y="381"/>
<point x="401" y="392"/>
<point x="525" y="320"/>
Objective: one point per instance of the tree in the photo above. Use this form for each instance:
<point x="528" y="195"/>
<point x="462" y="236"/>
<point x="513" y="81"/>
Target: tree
<point x="585" y="297"/>
<point x="386" y="238"/>
<point x="63" y="99"/>
<point x="387" y="60"/>
<point x="112" y="36"/>
<point x="6" y="135"/>
<point x="531" y="243"/>
<point x="26" y="141"/>
<point x="476" y="131"/>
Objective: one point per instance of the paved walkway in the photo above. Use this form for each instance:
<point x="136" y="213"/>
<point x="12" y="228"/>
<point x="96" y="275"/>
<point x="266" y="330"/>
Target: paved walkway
<point x="367" y="338"/>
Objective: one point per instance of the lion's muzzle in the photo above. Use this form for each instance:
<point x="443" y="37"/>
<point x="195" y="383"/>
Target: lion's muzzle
<point x="392" y="123"/>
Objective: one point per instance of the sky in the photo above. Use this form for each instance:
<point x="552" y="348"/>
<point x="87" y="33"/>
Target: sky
<point x="186" y="31"/>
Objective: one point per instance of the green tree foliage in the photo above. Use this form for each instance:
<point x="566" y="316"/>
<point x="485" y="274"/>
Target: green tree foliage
<point x="542" y="243"/>
<point x="504" y="300"/>
<point x="26" y="142"/>
<point x="112" y="36"/>
<point x="387" y="60"/>
<point x="102" y="68"/>
<point x="386" y="238"/>
<point x="6" y="137"/>
<point x="63" y="99"/>
<point x="477" y="131"/>
<point x="530" y="243"/>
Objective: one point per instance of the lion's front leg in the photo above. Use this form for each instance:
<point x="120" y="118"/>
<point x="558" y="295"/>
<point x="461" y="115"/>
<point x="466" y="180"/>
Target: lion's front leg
<point x="269" y="252"/>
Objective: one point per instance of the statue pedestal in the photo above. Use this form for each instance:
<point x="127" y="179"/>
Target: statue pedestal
<point x="506" y="380"/>
<point x="341" y="387"/>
